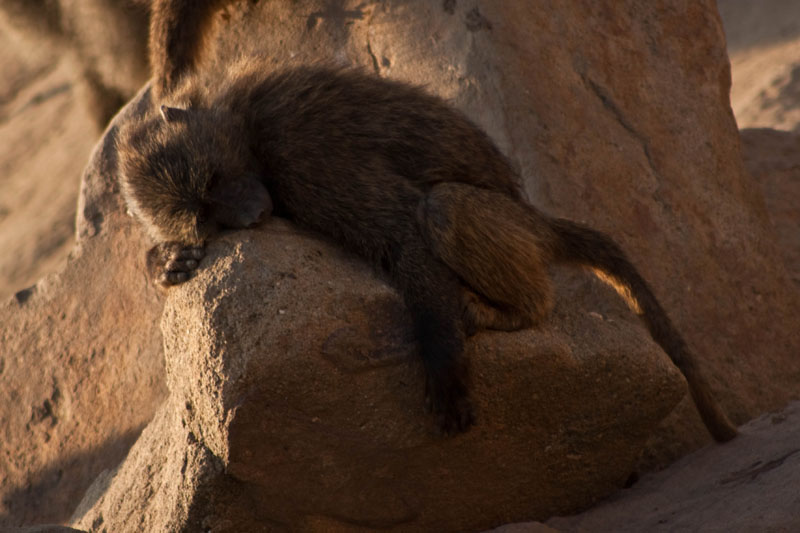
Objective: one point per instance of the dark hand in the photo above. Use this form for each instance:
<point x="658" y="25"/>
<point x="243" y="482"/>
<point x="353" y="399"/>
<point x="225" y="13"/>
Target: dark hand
<point x="171" y="263"/>
<point x="447" y="398"/>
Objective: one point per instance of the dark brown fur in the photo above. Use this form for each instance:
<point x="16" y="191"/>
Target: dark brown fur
<point x="387" y="171"/>
<point x="177" y="31"/>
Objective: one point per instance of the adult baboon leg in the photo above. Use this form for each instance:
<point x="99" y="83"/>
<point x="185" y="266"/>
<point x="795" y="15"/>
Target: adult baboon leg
<point x="485" y="238"/>
<point x="481" y="314"/>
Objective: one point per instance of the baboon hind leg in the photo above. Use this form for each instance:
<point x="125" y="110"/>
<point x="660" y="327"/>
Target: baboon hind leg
<point x="479" y="313"/>
<point x="431" y="293"/>
<point x="488" y="239"/>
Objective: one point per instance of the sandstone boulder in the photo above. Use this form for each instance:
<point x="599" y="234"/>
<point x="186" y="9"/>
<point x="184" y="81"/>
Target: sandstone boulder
<point x="45" y="140"/>
<point x="617" y="115"/>
<point x="44" y="528"/>
<point x="295" y="388"/>
<point x="104" y="42"/>
<point x="762" y="43"/>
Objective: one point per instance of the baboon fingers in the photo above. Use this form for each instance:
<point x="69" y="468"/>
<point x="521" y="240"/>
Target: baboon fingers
<point x="191" y="252"/>
<point x="173" y="263"/>
<point x="181" y="265"/>
<point x="170" y="278"/>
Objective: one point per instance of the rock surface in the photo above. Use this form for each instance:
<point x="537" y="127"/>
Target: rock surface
<point x="773" y="159"/>
<point x="44" y="528"/>
<point x="45" y="140"/>
<point x="616" y="114"/>
<point x="66" y="65"/>
<point x="103" y="43"/>
<point x="80" y="360"/>
<point x="749" y="484"/>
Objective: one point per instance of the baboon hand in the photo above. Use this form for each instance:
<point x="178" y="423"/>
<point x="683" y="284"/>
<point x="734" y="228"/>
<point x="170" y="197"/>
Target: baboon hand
<point x="172" y="263"/>
<point x="446" y="397"/>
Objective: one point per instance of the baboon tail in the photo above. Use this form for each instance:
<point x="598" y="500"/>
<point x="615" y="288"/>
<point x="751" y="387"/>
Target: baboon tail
<point x="589" y="248"/>
<point x="178" y="31"/>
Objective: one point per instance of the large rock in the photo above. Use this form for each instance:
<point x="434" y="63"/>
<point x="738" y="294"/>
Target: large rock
<point x="44" y="528"/>
<point x="762" y="43"/>
<point x="104" y="42"/>
<point x="296" y="400"/>
<point x="45" y="140"/>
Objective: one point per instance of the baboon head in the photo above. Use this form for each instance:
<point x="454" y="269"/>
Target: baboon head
<point x="188" y="172"/>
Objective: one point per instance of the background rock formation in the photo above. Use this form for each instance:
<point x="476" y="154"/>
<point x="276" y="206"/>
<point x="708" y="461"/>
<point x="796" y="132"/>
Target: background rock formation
<point x="773" y="159"/>
<point x="103" y="41"/>
<point x="641" y="144"/>
<point x="762" y="44"/>
<point x="46" y="141"/>
<point x="81" y="361"/>
<point x="68" y="66"/>
<point x="617" y="114"/>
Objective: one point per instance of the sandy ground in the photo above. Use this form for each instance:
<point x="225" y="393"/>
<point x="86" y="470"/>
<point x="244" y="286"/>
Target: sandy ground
<point x="746" y="485"/>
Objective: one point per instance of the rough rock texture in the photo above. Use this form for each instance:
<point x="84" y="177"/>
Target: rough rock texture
<point x="80" y="361"/>
<point x="287" y="361"/>
<point x="66" y="65"/>
<point x="527" y="527"/>
<point x="773" y="159"/>
<point x="749" y="484"/>
<point x="616" y="113"/>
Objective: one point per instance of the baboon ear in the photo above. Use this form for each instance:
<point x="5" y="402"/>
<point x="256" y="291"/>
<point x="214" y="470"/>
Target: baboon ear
<point x="240" y="202"/>
<point x="172" y="114"/>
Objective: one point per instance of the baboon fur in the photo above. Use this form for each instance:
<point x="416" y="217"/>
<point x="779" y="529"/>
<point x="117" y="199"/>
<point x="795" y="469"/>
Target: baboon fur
<point x="382" y="168"/>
